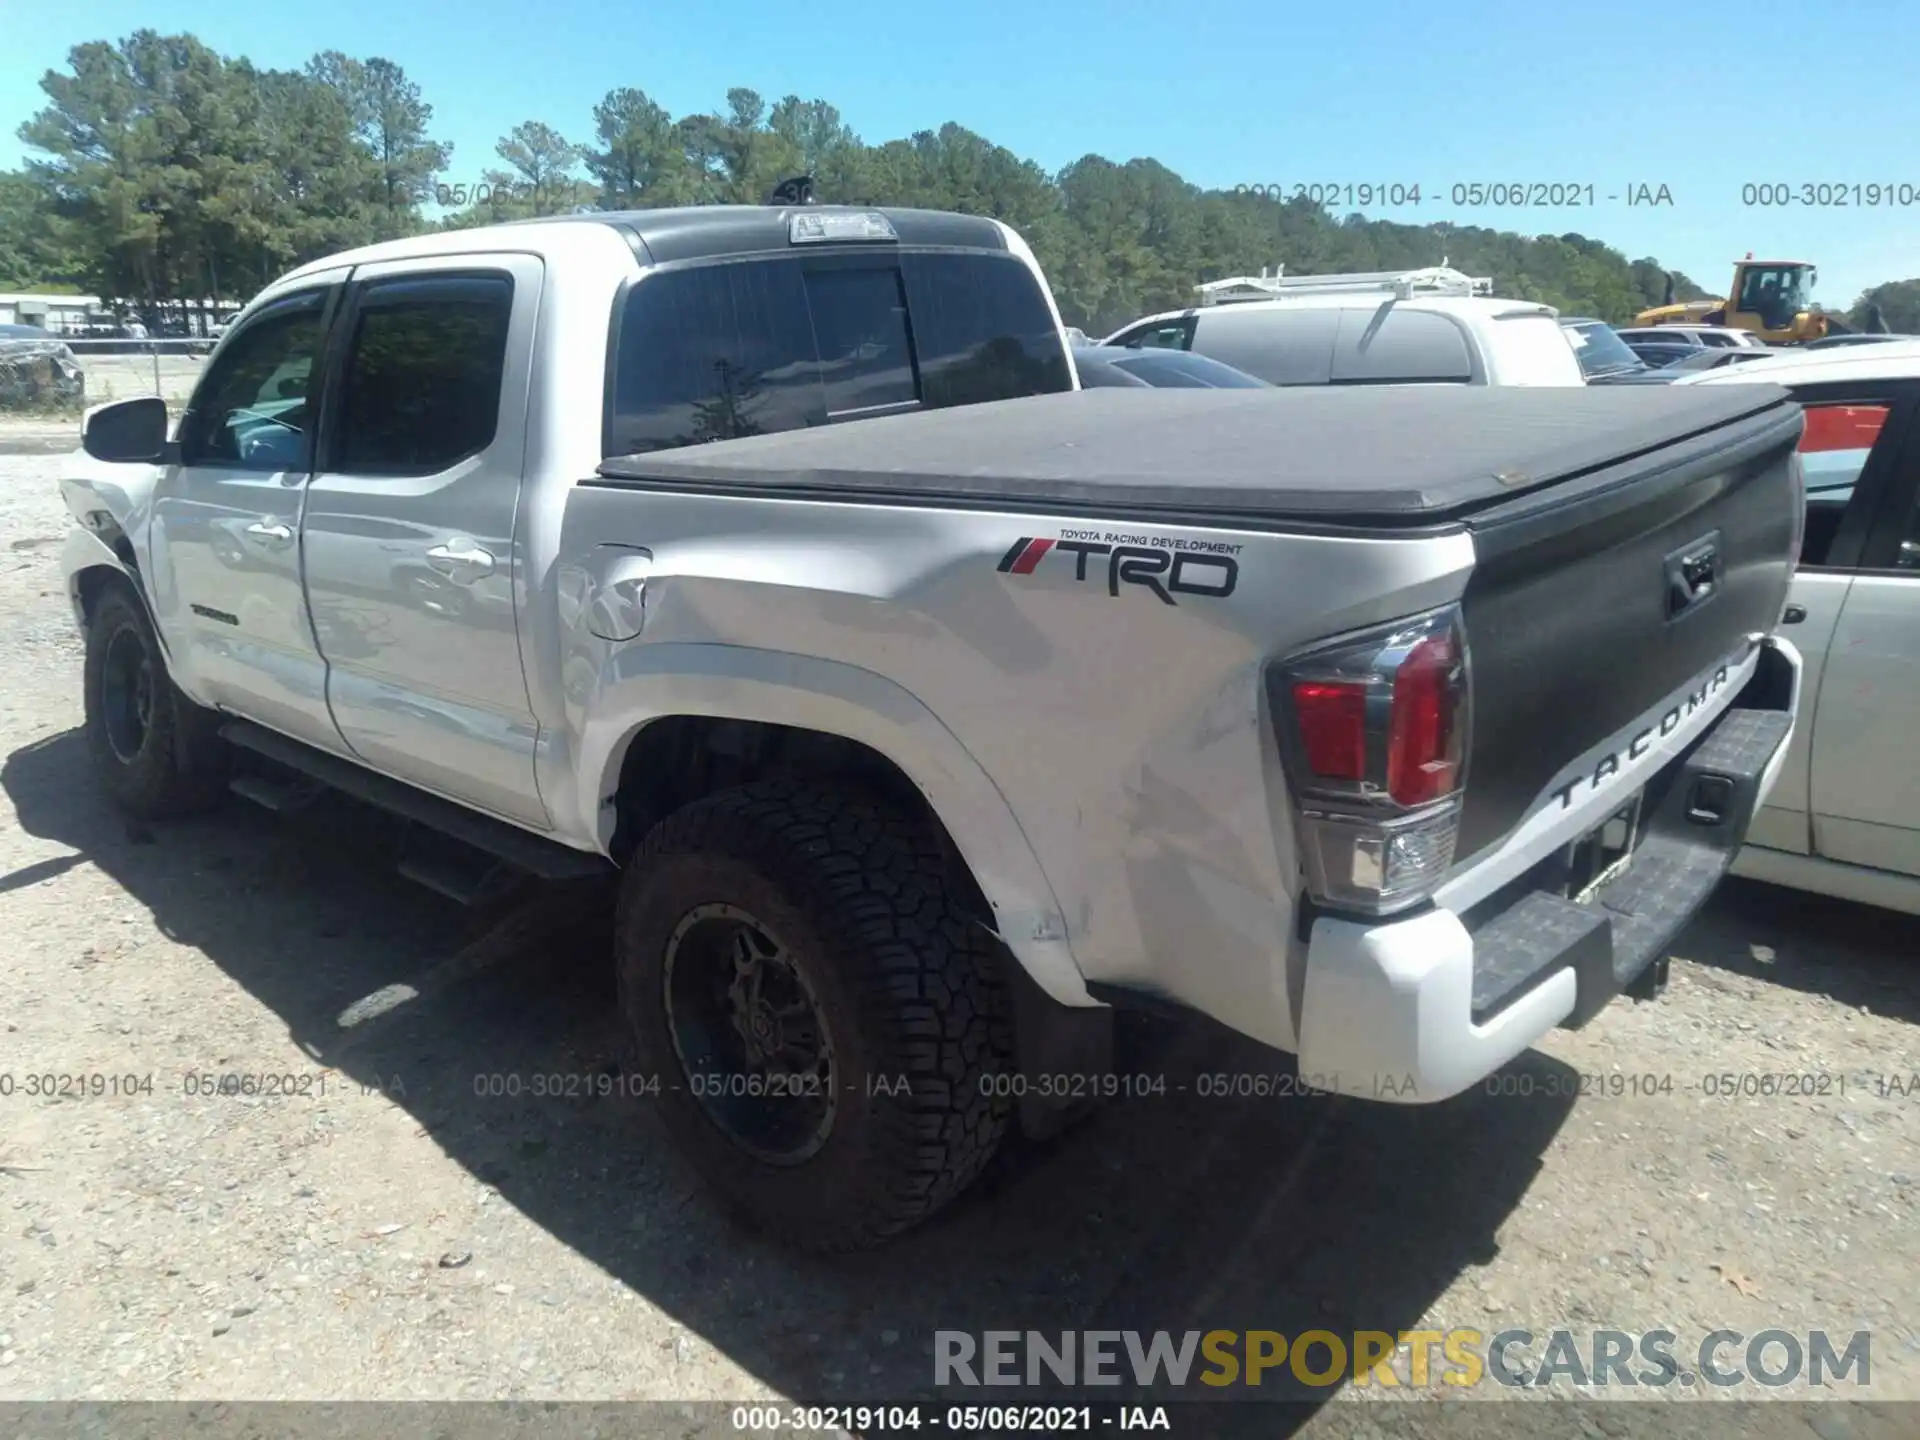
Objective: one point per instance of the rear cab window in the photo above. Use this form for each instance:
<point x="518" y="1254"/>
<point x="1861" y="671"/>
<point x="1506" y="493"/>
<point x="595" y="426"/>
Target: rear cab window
<point x="1174" y="334"/>
<point x="721" y="350"/>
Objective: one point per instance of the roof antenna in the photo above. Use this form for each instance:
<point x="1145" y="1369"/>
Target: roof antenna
<point x="794" y="190"/>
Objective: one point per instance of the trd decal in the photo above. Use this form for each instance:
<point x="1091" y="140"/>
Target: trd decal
<point x="1024" y="555"/>
<point x="1180" y="568"/>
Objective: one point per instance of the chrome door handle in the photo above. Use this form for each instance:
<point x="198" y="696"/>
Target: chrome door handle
<point x="278" y="536"/>
<point x="465" y="565"/>
<point x="1909" y="554"/>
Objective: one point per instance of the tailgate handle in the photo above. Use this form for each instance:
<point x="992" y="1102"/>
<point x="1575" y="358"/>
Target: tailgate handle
<point x="1693" y="575"/>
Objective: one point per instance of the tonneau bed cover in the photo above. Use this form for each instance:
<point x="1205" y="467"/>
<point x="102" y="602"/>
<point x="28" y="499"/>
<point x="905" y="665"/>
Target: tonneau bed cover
<point x="1403" y="455"/>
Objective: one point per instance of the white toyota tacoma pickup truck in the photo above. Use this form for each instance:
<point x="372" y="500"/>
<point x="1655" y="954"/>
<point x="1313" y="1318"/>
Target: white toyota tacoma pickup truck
<point x="1392" y="727"/>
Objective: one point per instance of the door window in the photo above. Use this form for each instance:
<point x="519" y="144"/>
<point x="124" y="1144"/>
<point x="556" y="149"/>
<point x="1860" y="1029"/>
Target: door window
<point x="423" y="374"/>
<point x="252" y="410"/>
<point x="1168" y="335"/>
<point x="1838" y="441"/>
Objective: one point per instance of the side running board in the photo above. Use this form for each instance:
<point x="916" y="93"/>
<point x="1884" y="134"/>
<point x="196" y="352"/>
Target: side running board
<point x="546" y="858"/>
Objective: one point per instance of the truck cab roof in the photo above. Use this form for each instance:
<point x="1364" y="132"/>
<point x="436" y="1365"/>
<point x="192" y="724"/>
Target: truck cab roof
<point x="689" y="232"/>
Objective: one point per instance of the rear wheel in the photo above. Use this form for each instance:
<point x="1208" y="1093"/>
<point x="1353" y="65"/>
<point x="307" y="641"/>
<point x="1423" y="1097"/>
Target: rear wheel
<point x="826" y="1023"/>
<point x="154" y="750"/>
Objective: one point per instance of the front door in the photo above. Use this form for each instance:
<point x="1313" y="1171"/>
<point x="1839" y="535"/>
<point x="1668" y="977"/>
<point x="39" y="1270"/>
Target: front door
<point x="224" y="543"/>
<point x="409" y="529"/>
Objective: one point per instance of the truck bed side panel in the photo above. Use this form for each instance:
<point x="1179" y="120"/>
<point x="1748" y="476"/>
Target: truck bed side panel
<point x="1125" y="728"/>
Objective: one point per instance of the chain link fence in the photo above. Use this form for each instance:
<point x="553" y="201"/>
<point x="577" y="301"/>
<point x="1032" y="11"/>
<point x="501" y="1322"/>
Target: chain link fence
<point x="55" y="377"/>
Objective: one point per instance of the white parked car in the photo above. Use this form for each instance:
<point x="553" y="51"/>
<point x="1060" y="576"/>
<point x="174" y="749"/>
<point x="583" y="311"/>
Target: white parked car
<point x="1845" y="818"/>
<point x="1422" y="327"/>
<point x="1714" y="337"/>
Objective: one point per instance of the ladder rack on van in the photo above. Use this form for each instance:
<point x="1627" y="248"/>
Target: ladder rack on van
<point x="1433" y="280"/>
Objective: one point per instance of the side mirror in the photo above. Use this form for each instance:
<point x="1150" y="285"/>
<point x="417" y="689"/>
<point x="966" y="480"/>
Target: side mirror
<point x="127" y="431"/>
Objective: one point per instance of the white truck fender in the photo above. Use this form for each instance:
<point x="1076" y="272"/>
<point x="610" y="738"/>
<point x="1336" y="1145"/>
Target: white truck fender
<point x="637" y="684"/>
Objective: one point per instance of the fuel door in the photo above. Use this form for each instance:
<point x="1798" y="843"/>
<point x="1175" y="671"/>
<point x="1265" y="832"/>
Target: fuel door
<point x="616" y="599"/>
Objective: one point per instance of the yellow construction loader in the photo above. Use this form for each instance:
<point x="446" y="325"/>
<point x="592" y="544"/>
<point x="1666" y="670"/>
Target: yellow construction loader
<point x="1772" y="298"/>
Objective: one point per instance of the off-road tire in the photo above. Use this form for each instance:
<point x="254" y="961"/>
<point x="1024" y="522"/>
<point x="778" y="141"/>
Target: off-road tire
<point x="180" y="764"/>
<point x="908" y="984"/>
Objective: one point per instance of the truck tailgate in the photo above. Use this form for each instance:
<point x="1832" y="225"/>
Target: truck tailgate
<point x="1590" y="602"/>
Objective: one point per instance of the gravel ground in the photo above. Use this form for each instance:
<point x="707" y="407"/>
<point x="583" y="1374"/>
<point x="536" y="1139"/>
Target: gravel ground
<point x="400" y="1236"/>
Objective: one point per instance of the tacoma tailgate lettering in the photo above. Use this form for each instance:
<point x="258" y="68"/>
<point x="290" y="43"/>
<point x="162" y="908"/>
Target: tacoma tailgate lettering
<point x="1608" y="764"/>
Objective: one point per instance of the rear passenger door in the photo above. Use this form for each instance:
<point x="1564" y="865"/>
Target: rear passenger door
<point x="412" y="566"/>
<point x="1864" y="771"/>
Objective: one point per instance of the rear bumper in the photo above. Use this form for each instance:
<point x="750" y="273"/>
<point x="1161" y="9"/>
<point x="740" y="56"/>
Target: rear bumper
<point x="1415" y="1010"/>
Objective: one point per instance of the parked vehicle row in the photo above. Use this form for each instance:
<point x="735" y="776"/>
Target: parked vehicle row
<point x="1707" y="358"/>
<point x="1695" y="337"/>
<point x="926" y="705"/>
<point x="1605" y="359"/>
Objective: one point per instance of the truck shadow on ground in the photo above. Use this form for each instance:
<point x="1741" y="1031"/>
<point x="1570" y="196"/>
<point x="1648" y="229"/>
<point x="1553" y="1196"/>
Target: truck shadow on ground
<point x="1174" y="1211"/>
<point x="1858" y="955"/>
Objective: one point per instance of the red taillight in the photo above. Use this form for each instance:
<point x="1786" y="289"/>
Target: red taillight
<point x="1333" y="727"/>
<point x="1373" y="732"/>
<point x="1422" y="759"/>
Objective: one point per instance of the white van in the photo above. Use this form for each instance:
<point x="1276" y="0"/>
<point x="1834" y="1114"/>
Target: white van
<point x="1421" y="327"/>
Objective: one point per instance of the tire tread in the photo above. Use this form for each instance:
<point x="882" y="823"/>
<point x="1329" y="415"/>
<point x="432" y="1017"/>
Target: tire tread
<point x="929" y="983"/>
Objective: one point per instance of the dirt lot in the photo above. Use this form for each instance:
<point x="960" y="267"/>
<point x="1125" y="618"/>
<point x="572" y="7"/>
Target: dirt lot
<point x="390" y="1233"/>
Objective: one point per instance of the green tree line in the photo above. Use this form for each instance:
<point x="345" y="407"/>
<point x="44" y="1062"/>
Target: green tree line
<point x="161" y="170"/>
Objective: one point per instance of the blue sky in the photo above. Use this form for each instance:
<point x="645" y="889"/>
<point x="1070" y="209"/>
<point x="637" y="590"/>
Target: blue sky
<point x="1682" y="95"/>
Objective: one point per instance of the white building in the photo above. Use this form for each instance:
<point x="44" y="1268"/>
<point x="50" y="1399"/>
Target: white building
<point x="51" y="312"/>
